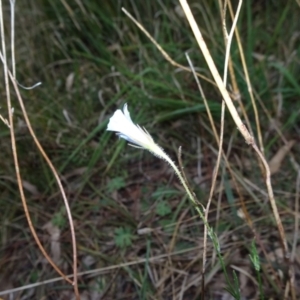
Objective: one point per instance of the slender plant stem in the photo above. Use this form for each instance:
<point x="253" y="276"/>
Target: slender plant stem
<point x="67" y="206"/>
<point x="14" y="147"/>
<point x="8" y="74"/>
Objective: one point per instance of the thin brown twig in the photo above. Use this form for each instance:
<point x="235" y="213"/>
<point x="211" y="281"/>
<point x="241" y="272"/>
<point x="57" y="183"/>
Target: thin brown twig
<point x="14" y="147"/>
<point x="51" y="166"/>
<point x="8" y="74"/>
<point x="19" y="181"/>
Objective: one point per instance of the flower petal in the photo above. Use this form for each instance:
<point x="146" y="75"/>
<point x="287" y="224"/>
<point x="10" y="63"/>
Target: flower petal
<point x="122" y="124"/>
<point x="126" y="112"/>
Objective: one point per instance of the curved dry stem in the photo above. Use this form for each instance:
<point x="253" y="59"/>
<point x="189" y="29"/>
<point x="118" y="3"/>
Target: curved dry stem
<point x="272" y="201"/>
<point x="15" y="155"/>
<point x="51" y="166"/>
<point x="7" y="74"/>
<point x="10" y="125"/>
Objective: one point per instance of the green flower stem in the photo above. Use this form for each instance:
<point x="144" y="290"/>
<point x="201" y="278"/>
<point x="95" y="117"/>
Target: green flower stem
<point x="210" y="231"/>
<point x="190" y="194"/>
<point x="182" y="180"/>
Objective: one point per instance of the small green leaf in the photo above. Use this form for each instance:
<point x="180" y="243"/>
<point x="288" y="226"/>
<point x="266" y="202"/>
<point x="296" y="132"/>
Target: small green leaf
<point x="123" y="237"/>
<point x="163" y="208"/>
<point x="116" y="184"/>
<point x="59" y="219"/>
<point x="254" y="257"/>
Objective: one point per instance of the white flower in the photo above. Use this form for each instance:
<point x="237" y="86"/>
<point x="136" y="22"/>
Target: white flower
<point x="139" y="137"/>
<point x="122" y="124"/>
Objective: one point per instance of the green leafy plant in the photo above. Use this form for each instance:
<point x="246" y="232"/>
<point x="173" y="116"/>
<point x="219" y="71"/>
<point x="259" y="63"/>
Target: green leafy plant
<point x="123" y="237"/>
<point x="116" y="184"/>
<point x="163" y="208"/>
<point x="256" y="264"/>
<point x="59" y="218"/>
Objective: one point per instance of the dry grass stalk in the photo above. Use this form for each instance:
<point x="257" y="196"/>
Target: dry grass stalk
<point x="242" y="128"/>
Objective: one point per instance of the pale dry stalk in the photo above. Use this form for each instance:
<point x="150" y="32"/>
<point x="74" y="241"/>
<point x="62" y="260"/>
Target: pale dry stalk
<point x="240" y="125"/>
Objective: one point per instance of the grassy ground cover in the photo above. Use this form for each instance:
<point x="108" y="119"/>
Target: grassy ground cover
<point x="138" y="235"/>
